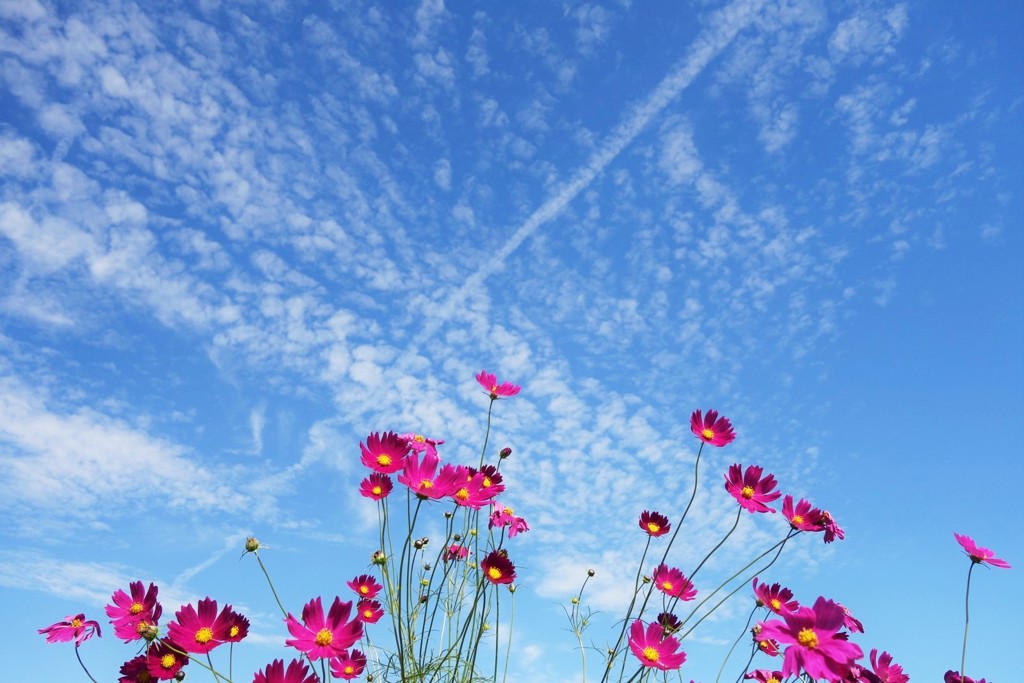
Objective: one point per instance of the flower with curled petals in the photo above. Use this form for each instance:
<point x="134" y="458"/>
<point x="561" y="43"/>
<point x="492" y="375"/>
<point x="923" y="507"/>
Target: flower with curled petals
<point x="803" y="516"/>
<point x="490" y="383"/>
<point x="712" y="429"/>
<point x="75" y="628"/>
<point x="885" y="670"/>
<point x="774" y="597"/>
<point x="980" y="555"/>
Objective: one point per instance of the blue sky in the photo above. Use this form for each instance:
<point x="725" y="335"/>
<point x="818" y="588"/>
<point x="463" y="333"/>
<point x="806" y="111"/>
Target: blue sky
<point x="236" y="237"/>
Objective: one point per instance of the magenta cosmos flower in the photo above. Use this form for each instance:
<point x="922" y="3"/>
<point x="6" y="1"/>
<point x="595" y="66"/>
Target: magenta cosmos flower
<point x="369" y="611"/>
<point x="955" y="677"/>
<point x="653" y="648"/>
<point x="671" y="581"/>
<point x="423" y="479"/>
<point x="384" y="453"/>
<point x="74" y="628"/>
<point x="750" y="489"/>
<point x="803" y="516"/>
<point x="132" y="614"/>
<point x="980" y="555"/>
<point x="376" y="486"/>
<point x="711" y="429"/>
<point x="275" y="672"/>
<point x="456" y="552"/>
<point x="654" y="523"/>
<point x="323" y="638"/>
<point x="885" y="670"/>
<point x="420" y="443"/>
<point x="775" y="597"/>
<point x="502" y="517"/>
<point x="815" y="645"/>
<point x="164" y="661"/>
<point x="348" y="665"/>
<point x="497" y="568"/>
<point x="200" y="631"/>
<point x="365" y="586"/>
<point x="495" y="390"/>
<point x="475" y="490"/>
<point x="832" y="530"/>
<point x="765" y="676"/>
<point x="135" y="671"/>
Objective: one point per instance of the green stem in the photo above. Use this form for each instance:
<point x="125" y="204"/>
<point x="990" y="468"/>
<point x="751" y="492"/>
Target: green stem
<point x="82" y="664"/>
<point x="737" y="642"/>
<point x="724" y="538"/>
<point x="967" y="620"/>
<point x="256" y="554"/>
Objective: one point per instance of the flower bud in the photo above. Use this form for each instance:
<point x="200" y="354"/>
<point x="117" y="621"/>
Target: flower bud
<point x="647" y="579"/>
<point x="180" y="676"/>
<point x="575" y="600"/>
<point x="424" y="582"/>
<point x="504" y="452"/>
<point x="379" y="557"/>
<point x="591" y="572"/>
<point x="426" y="567"/>
<point x="423" y="599"/>
<point x="511" y="588"/>
<point x="251" y="544"/>
<point x="457" y="537"/>
<point x="150" y="632"/>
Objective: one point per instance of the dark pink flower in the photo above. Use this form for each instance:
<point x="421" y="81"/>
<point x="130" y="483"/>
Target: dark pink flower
<point x="234" y="626"/>
<point x="851" y="622"/>
<point x="164" y="661"/>
<point x="654" y="523"/>
<point x="132" y="615"/>
<point x="711" y="429"/>
<point x="423" y="479"/>
<point x="774" y="597"/>
<point x="369" y="611"/>
<point x="198" y="631"/>
<point x="348" y="665"/>
<point x="653" y="648"/>
<point x="323" y="638"/>
<point x="832" y="530"/>
<point x="765" y="676"/>
<point x="671" y="581"/>
<point x="886" y="671"/>
<point x="365" y="586"/>
<point x="275" y="672"/>
<point x="74" y="628"/>
<point x="376" y="486"/>
<point x="803" y="517"/>
<point x="135" y="671"/>
<point x="749" y="489"/>
<point x="420" y="443"/>
<point x="495" y="390"/>
<point x="497" y="568"/>
<point x="384" y="453"/>
<point x="456" y="552"/>
<point x="475" y="490"/>
<point x="814" y="643"/>
<point x="980" y="555"/>
<point x="669" y="622"/>
<point x="502" y="516"/>
<point x="955" y="677"/>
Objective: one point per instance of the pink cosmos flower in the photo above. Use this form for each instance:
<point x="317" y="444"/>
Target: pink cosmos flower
<point x="497" y="568"/>
<point x="502" y="516"/>
<point x="198" y="631"/>
<point x="322" y="638"/>
<point x="369" y="611"/>
<point x="765" y="676"/>
<point x="669" y="623"/>
<point x="235" y="626"/>
<point x="275" y="672"/>
<point x="376" y="486"/>
<point x="135" y="671"/>
<point x="980" y="555"/>
<point x="711" y="429"/>
<point x="420" y="443"/>
<point x="885" y="670"/>
<point x="653" y="648"/>
<point x="815" y="645"/>
<point x="384" y="453"/>
<point x="774" y="597"/>
<point x="348" y="665"/>
<point x="495" y="390"/>
<point x="491" y="481"/>
<point x="133" y="614"/>
<point x="654" y="523"/>
<point x="832" y="530"/>
<point x="851" y="622"/>
<point x="749" y="489"/>
<point x="163" y="661"/>
<point x="422" y="478"/>
<point x="456" y="552"/>
<point x="475" y="491"/>
<point x="74" y="628"/>
<point x="365" y="586"/>
<point x="671" y="581"/>
<point x="803" y="517"/>
<point x="955" y="677"/>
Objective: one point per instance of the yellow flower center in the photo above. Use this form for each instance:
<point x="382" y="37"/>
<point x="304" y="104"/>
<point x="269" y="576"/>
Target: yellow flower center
<point x="233" y="632"/>
<point x="168" y="661"/>
<point x="807" y="638"/>
<point x="376" y="490"/>
<point x="204" y="635"/>
<point x="367" y="613"/>
<point x="776" y="604"/>
<point x="75" y="623"/>
<point x="349" y="669"/>
<point x="364" y="589"/>
<point x="136" y="608"/>
<point x="651" y="654"/>
<point x="666" y="585"/>
<point x="653" y="528"/>
<point x="707" y="433"/>
<point x="419" y="438"/>
<point x="426" y="484"/>
<point x="324" y="637"/>
<point x="797" y="519"/>
<point x="383" y="459"/>
<point x="773" y="679"/>
<point x="487" y="481"/>
<point x="494" y="389"/>
<point x="462" y="494"/>
<point x="494" y="573"/>
<point x="509" y="511"/>
<point x="747" y="492"/>
<point x="141" y="626"/>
